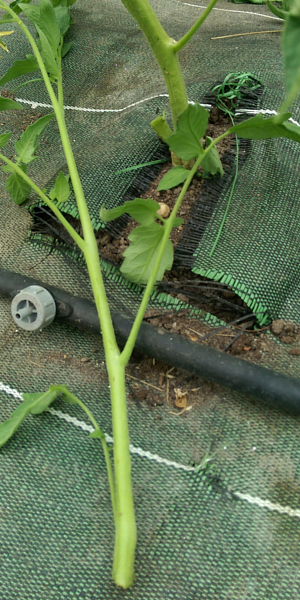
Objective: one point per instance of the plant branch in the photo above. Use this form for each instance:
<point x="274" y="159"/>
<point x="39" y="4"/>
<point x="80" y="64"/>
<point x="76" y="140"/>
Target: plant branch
<point x="64" y="390"/>
<point x="26" y="83"/>
<point x="77" y="239"/>
<point x="90" y="248"/>
<point x="128" y="348"/>
<point x="186" y="38"/>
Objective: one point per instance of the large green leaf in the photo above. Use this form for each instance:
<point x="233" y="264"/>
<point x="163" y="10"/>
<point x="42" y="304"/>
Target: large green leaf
<point x="258" y="128"/>
<point x="191" y="127"/>
<point x="8" y="104"/>
<point x="20" y="67"/>
<point x="17" y="187"/>
<point x="33" y="403"/>
<point x="48" y="24"/>
<point x="172" y="178"/>
<point x="142" y="210"/>
<point x="291" y="50"/>
<point x="32" y="12"/>
<point x="211" y="163"/>
<point x="63" y="17"/>
<point x="27" y="145"/>
<point x="4" y="137"/>
<point x="142" y="252"/>
<point x="61" y="190"/>
<point x="48" y="55"/>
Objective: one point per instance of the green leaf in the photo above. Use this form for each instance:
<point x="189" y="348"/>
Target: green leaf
<point x="97" y="433"/>
<point x="141" y="254"/>
<point x="65" y="49"/>
<point x="43" y="399"/>
<point x="258" y="128"/>
<point x="278" y="12"/>
<point x="31" y="11"/>
<point x="49" y="26"/>
<point x="7" y="169"/>
<point x="48" y="55"/>
<point x="143" y="211"/>
<point x="177" y="222"/>
<point x="8" y="104"/>
<point x="211" y="163"/>
<point x="33" y="403"/>
<point x="27" y="145"/>
<point x="15" y="6"/>
<point x="6" y="19"/>
<point x="4" y="137"/>
<point x="20" y="67"/>
<point x="291" y="50"/>
<point x="61" y="190"/>
<point x="173" y="178"/>
<point x="191" y="127"/>
<point x="17" y="187"/>
<point x="63" y="17"/>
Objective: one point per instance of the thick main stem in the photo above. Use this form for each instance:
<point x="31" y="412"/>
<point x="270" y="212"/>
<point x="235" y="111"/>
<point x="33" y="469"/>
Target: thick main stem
<point x="126" y="534"/>
<point x="163" y="49"/>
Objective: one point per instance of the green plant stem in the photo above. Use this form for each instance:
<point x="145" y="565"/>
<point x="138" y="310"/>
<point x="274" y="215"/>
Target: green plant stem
<point x="90" y="248"/>
<point x="128" y="348"/>
<point x="77" y="239"/>
<point x="62" y="389"/>
<point x="126" y="534"/>
<point x="26" y="83"/>
<point x="163" y="49"/>
<point x="186" y="38"/>
<point x="125" y="519"/>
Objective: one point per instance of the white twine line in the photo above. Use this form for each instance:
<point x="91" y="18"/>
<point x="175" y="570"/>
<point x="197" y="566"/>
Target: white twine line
<point x="93" y="110"/>
<point x="99" y="110"/>
<point x="244" y="12"/>
<point x="284" y="510"/>
<point x="118" y="110"/>
<point x="10" y="391"/>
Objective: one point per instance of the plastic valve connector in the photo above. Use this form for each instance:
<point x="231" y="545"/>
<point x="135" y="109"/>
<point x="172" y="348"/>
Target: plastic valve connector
<point x="33" y="308"/>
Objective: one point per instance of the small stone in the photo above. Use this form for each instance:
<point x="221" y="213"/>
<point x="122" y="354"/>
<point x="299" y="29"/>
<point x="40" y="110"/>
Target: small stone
<point x="84" y="359"/>
<point x="164" y="210"/>
<point x="294" y="351"/>
<point x="277" y="326"/>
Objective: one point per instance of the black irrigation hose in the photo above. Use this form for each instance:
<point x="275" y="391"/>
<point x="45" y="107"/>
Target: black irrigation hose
<point x="275" y="389"/>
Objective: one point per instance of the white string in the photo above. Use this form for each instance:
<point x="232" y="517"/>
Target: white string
<point x="98" y="110"/>
<point x="244" y="12"/>
<point x="284" y="510"/>
<point x="117" y="110"/>
<point x="93" y="110"/>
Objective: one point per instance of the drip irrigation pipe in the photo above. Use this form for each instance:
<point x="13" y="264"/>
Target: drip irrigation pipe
<point x="275" y="389"/>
